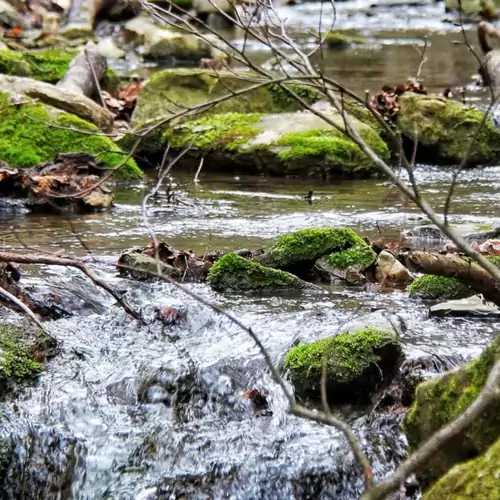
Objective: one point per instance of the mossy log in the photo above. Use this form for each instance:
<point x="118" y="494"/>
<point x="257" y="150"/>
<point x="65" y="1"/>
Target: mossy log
<point x="76" y="104"/>
<point x="85" y="71"/>
<point x="454" y="266"/>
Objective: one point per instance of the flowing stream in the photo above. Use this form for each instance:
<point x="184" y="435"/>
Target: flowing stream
<point x="150" y="412"/>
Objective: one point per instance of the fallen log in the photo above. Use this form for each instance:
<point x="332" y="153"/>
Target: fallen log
<point x="85" y="71"/>
<point x="74" y="103"/>
<point x="453" y="265"/>
<point x="490" y="66"/>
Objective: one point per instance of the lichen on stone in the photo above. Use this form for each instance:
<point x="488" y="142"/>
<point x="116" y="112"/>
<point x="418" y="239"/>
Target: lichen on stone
<point x="234" y="273"/>
<point x="355" y="362"/>
<point x="441" y="400"/>
<point x="28" y="139"/>
<point x="431" y="286"/>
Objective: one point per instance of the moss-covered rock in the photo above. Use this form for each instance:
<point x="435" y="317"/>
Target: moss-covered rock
<point x="31" y="134"/>
<point x="444" y="129"/>
<point x="298" y="251"/>
<point x="168" y="92"/>
<point x="477" y="478"/>
<point x="356" y="364"/>
<point x="234" y="273"/>
<point x="430" y="286"/>
<point x="440" y="401"/>
<point x="48" y="65"/>
<point x="283" y="144"/>
<point x="358" y="256"/>
<point x="338" y="40"/>
<point x="22" y="352"/>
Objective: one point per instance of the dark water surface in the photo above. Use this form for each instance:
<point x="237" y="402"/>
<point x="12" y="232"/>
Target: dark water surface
<point x="108" y="402"/>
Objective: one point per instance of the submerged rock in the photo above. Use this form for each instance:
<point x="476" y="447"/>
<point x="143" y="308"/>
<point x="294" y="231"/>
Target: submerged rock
<point x="444" y="129"/>
<point x="340" y="41"/>
<point x="22" y="353"/>
<point x="49" y="460"/>
<point x="440" y="401"/>
<point x="235" y="273"/>
<point x="358" y="361"/>
<point x="430" y="286"/>
<point x="28" y="139"/>
<point x="297" y="252"/>
<point x="283" y="144"/>
<point x="475" y="306"/>
<point x="477" y="478"/>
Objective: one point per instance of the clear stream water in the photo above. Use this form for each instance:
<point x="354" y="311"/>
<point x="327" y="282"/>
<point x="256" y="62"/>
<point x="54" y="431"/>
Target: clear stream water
<point x="144" y="412"/>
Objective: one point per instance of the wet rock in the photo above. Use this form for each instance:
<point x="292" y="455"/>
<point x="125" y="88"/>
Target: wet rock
<point x="468" y="231"/>
<point x="23" y="351"/>
<point x="283" y="144"/>
<point x="358" y="361"/>
<point x="440" y="401"/>
<point x="350" y="275"/>
<point x="475" y="306"/>
<point x="167" y="91"/>
<point x="161" y="42"/>
<point x="28" y="139"/>
<point x="477" y="478"/>
<point x="49" y="461"/>
<point x="381" y="320"/>
<point x="141" y="263"/>
<point x="439" y="287"/>
<point x="109" y="49"/>
<point x="297" y="252"/>
<point x="391" y="272"/>
<point x="9" y="15"/>
<point x="237" y="274"/>
<point x="427" y="232"/>
<point x="441" y="126"/>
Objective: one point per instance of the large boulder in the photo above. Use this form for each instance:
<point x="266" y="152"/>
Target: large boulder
<point x="477" y="478"/>
<point x="283" y="144"/>
<point x="359" y="360"/>
<point x="22" y="353"/>
<point x="32" y="133"/>
<point x="297" y="252"/>
<point x="168" y="92"/>
<point x="235" y="273"/>
<point x="441" y="400"/>
<point x="445" y="128"/>
<point x="430" y="286"/>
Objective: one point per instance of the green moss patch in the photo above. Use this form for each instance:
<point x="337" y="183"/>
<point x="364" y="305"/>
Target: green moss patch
<point x="358" y="256"/>
<point x="430" y="286"/>
<point x="225" y="131"/>
<point x="27" y="139"/>
<point x="441" y="400"/>
<point x="477" y="478"/>
<point x="446" y="128"/>
<point x="302" y="248"/>
<point x="234" y="273"/>
<point x="45" y="65"/>
<point x="332" y="147"/>
<point x="338" y="40"/>
<point x="16" y="361"/>
<point x="354" y="363"/>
